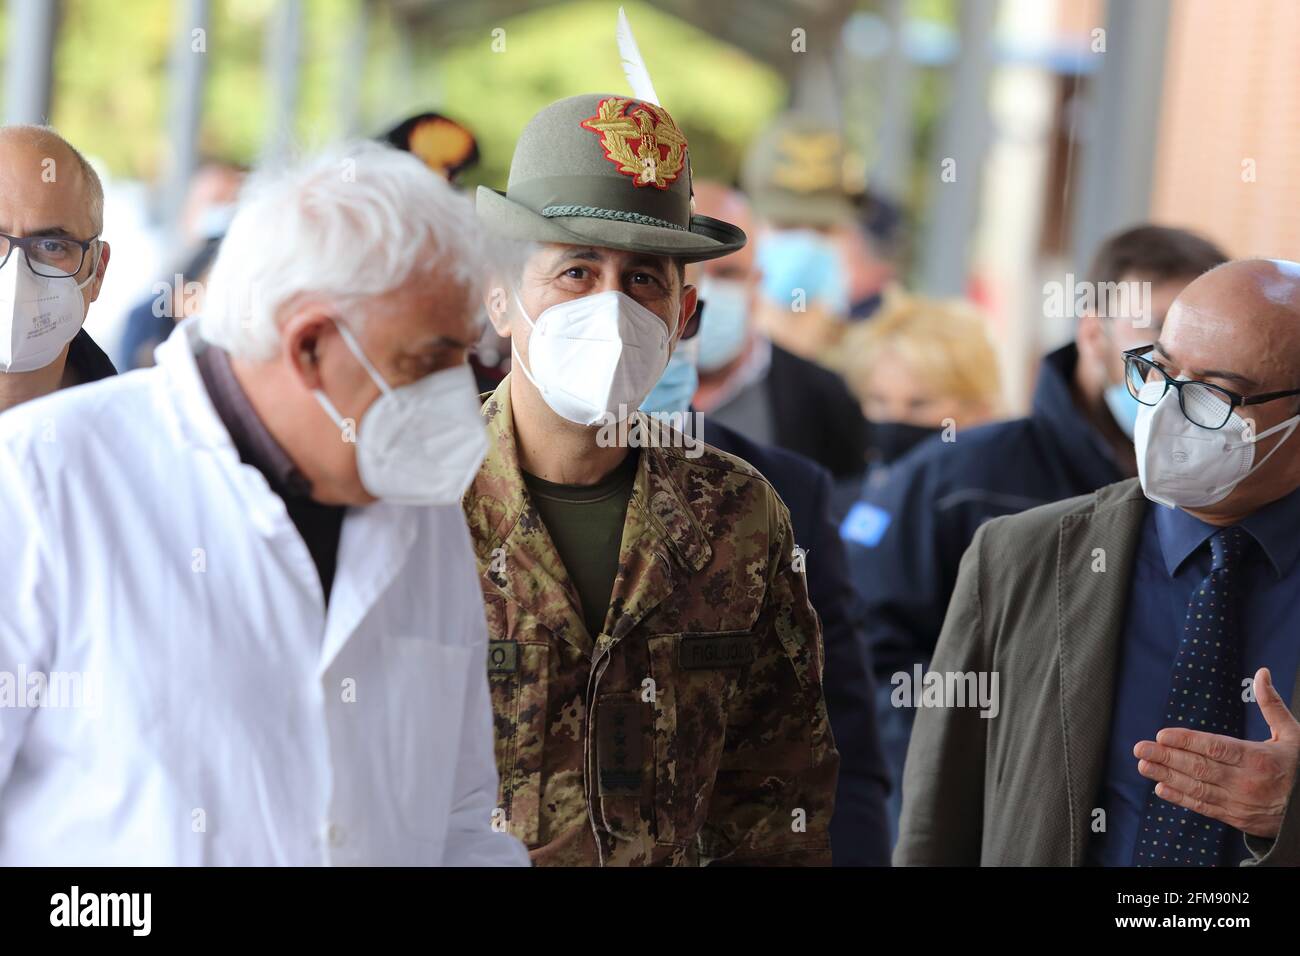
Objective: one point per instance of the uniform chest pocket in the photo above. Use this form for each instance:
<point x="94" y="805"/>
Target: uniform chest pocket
<point x="519" y="683"/>
<point x="695" y="677"/>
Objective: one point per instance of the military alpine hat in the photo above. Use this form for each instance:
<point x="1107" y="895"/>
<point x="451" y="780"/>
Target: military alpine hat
<point x="608" y="171"/>
<point x="795" y="173"/>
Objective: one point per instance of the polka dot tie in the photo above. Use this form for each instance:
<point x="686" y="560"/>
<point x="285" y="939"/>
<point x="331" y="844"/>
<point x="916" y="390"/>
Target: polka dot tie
<point x="1205" y="694"/>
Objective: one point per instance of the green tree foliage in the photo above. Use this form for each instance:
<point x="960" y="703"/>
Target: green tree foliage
<point x="717" y="94"/>
<point x="111" y="93"/>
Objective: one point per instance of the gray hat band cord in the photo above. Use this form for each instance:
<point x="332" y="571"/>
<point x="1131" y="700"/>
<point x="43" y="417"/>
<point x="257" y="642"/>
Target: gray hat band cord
<point x="603" y="197"/>
<point x="594" y="212"/>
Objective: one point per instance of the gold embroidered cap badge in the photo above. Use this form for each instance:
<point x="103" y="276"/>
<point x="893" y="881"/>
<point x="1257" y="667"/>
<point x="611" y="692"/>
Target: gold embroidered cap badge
<point x="642" y="142"/>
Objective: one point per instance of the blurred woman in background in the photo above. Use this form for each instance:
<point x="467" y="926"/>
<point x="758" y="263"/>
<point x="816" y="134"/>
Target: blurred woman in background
<point x="920" y="367"/>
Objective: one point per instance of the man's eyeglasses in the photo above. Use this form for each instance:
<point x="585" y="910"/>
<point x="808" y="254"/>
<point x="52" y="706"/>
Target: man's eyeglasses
<point x="1202" y="403"/>
<point x="52" y="257"/>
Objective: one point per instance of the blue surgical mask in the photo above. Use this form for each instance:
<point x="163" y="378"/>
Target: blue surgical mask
<point x="724" y="325"/>
<point x="795" y="259"/>
<point x="1123" y="407"/>
<point x="676" y="387"/>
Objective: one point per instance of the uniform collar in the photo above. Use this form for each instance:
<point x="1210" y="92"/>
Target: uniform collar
<point x="1275" y="528"/>
<point x="662" y="539"/>
<point x="498" y="497"/>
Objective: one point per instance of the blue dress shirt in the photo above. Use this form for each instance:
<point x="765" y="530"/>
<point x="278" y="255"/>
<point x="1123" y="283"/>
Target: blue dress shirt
<point x="1173" y="557"/>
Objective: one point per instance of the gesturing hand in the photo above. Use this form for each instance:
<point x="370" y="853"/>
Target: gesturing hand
<point x="1243" y="783"/>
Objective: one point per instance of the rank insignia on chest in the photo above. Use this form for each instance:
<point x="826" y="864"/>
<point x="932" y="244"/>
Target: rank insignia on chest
<point x="619" y="746"/>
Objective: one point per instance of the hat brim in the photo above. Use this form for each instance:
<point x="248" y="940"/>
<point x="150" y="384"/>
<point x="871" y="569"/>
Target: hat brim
<point x="707" y="238"/>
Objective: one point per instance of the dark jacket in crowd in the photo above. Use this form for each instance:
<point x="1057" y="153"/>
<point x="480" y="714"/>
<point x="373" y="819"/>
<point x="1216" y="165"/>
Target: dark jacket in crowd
<point x="907" y="533"/>
<point x="859" y="836"/>
<point x="87" y="361"/>
<point x="815" y="414"/>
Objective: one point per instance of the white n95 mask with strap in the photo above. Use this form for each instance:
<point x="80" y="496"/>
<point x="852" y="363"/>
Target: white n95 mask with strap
<point x="1183" y="465"/>
<point x="417" y="444"/>
<point x="39" y="315"/>
<point x="595" y="357"/>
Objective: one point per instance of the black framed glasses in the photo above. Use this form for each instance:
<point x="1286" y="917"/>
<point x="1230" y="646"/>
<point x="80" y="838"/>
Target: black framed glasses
<point x="1203" y="404"/>
<point x="52" y="257"/>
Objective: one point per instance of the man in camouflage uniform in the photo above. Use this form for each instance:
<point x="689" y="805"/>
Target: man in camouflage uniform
<point x="683" y="722"/>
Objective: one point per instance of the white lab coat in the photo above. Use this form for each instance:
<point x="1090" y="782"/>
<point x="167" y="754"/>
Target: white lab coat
<point x="224" y="715"/>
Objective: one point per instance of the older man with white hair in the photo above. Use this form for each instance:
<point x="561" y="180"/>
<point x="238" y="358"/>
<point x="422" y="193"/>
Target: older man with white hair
<point x="242" y="622"/>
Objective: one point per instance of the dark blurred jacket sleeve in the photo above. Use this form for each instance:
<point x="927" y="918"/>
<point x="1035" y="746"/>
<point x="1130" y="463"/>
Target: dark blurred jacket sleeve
<point x="903" y="554"/>
<point x="816" y="416"/>
<point x="859" y="829"/>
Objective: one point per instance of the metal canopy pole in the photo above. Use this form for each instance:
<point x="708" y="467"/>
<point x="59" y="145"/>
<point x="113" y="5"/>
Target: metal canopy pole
<point x="1121" y="125"/>
<point x="187" y="72"/>
<point x="959" y="160"/>
<point x="894" y="133"/>
<point x="282" y="53"/>
<point x="352" y="76"/>
<point x="29" y="78"/>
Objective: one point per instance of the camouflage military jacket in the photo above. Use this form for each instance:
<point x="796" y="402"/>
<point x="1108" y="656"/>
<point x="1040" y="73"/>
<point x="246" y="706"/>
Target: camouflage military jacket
<point x="693" y="728"/>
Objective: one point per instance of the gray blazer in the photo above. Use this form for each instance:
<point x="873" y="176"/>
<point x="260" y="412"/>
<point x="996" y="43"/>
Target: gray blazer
<point x="1040" y="599"/>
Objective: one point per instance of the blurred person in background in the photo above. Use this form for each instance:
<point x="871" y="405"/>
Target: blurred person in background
<point x="272" y="599"/>
<point x="794" y="173"/>
<point x="906" y="535"/>
<point x="753" y="385"/>
<point x="920" y="367"/>
<point x="150" y="323"/>
<point x="444" y="145"/>
<point x="871" y="250"/>
<point x="210" y="201"/>
<point x="205" y="216"/>
<point x="1144" y="636"/>
<point x="52" y="265"/>
<point x="859" y="829"/>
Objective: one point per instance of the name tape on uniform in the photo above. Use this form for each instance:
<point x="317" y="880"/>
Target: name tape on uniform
<point x="708" y="651"/>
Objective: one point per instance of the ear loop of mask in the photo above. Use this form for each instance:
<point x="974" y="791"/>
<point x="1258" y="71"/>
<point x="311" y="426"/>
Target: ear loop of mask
<point x="514" y="352"/>
<point x="1293" y="422"/>
<point x="355" y="348"/>
<point x="93" y="269"/>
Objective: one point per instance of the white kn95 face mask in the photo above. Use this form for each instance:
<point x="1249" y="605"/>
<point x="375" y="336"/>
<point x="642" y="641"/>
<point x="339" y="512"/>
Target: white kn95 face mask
<point x="596" y="356"/>
<point x="417" y="444"/>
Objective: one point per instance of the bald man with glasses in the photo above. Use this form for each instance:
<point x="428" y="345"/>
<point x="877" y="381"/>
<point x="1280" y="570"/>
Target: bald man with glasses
<point x="1145" y="638"/>
<point x="52" y="265"/>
